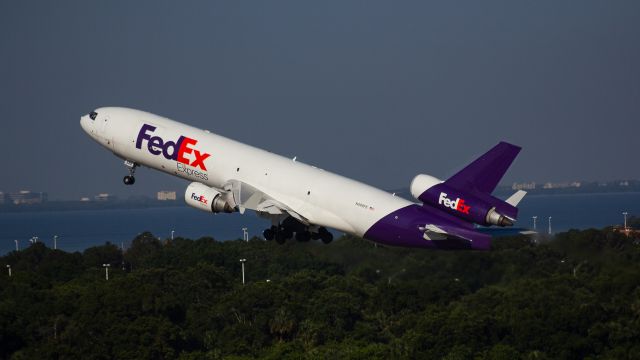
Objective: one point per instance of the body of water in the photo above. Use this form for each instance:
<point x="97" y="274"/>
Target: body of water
<point x="78" y="230"/>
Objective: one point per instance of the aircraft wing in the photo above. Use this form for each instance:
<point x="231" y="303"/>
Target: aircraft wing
<point x="245" y="196"/>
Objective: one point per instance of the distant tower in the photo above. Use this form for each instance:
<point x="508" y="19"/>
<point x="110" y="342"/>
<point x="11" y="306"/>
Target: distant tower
<point x="549" y="225"/>
<point x="534" y="222"/>
<point x="625" y="220"/>
<point x="243" y="261"/>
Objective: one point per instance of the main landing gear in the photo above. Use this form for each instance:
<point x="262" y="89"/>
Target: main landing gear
<point x="282" y="232"/>
<point x="130" y="179"/>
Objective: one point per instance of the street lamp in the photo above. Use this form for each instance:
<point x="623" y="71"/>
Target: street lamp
<point x="106" y="271"/>
<point x="9" y="268"/>
<point x="245" y="234"/>
<point x="534" y="222"/>
<point x="243" y="261"/>
<point x="172" y="231"/>
<point x="394" y="275"/>
<point x="549" y="225"/>
<point x="625" y="220"/>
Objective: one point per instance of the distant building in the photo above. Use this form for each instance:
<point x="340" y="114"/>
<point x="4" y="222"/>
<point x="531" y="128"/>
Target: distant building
<point x="524" y="186"/>
<point x="85" y="199"/>
<point x="166" y="195"/>
<point x="104" y="197"/>
<point x="575" y="184"/>
<point x="629" y="232"/>
<point x="1" y="198"/>
<point x="26" y="197"/>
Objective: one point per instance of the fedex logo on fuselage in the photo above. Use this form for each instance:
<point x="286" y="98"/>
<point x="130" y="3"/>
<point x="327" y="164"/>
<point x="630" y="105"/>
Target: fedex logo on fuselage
<point x="457" y="204"/>
<point x="172" y="150"/>
<point x="200" y="198"/>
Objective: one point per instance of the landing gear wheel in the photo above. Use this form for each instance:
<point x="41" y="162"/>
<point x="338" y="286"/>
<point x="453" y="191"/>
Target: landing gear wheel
<point x="269" y="234"/>
<point x="129" y="180"/>
<point x="303" y="236"/>
<point x="280" y="239"/>
<point x="325" y="235"/>
<point x="286" y="233"/>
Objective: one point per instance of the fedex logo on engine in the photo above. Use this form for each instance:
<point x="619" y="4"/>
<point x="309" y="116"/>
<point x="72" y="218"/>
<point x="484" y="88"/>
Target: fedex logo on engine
<point x="172" y="150"/>
<point x="457" y="204"/>
<point x="199" y="198"/>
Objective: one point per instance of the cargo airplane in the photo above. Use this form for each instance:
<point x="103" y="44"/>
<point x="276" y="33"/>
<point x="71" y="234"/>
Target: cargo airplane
<point x="302" y="201"/>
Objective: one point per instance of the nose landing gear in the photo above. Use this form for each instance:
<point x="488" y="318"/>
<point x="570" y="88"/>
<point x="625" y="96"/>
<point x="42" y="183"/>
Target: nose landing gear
<point x="130" y="179"/>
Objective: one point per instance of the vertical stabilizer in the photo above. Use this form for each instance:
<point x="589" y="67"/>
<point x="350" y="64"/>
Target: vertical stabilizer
<point x="483" y="174"/>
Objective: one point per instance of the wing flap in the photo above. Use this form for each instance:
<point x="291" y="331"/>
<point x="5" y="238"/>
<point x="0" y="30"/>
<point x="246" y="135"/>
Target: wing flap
<point x="245" y="196"/>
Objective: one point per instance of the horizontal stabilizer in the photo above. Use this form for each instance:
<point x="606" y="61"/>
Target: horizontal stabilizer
<point x="432" y="232"/>
<point x="515" y="199"/>
<point x="498" y="232"/>
<point x="477" y="240"/>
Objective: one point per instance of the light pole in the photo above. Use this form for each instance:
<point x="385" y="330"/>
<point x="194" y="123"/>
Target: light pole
<point x="245" y="234"/>
<point x="394" y="275"/>
<point x="243" y="261"/>
<point x="549" y="225"/>
<point x="9" y="268"/>
<point x="172" y="231"/>
<point x="17" y="246"/>
<point x="55" y="242"/>
<point x="534" y="222"/>
<point x="106" y="271"/>
<point x="625" y="220"/>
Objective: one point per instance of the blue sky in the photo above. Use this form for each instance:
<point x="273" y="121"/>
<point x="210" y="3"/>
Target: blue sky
<point x="375" y="90"/>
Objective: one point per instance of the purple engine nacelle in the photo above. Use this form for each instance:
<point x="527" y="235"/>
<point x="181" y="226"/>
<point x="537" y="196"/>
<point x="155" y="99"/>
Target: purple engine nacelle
<point x="467" y="204"/>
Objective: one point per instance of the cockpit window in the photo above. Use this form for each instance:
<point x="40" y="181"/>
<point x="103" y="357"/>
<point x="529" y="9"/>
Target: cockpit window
<point x="93" y="115"/>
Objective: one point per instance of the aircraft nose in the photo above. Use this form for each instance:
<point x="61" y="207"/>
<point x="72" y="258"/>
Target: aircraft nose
<point x="87" y="122"/>
<point x="84" y="123"/>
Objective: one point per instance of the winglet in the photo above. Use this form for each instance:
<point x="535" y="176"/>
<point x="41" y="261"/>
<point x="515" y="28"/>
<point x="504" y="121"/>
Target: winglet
<point x="515" y="199"/>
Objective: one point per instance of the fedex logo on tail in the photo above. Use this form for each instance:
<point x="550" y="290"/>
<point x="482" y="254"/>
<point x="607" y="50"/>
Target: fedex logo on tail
<point x="199" y="198"/>
<point x="457" y="204"/>
<point x="180" y="150"/>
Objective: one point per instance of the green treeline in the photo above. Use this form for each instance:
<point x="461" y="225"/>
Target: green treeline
<point x="576" y="296"/>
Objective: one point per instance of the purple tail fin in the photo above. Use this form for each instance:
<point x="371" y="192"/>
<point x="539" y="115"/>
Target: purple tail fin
<point x="484" y="174"/>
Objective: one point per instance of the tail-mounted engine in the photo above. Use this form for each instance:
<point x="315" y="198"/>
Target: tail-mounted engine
<point x="468" y="204"/>
<point x="207" y="199"/>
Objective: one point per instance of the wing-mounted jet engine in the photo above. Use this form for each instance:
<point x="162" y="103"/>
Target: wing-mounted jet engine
<point x="207" y="199"/>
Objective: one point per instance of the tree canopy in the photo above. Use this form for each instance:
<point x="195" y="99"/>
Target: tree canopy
<point x="574" y="296"/>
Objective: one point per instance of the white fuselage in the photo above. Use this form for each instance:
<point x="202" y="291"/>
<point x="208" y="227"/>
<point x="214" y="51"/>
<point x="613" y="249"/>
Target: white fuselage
<point x="324" y="198"/>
